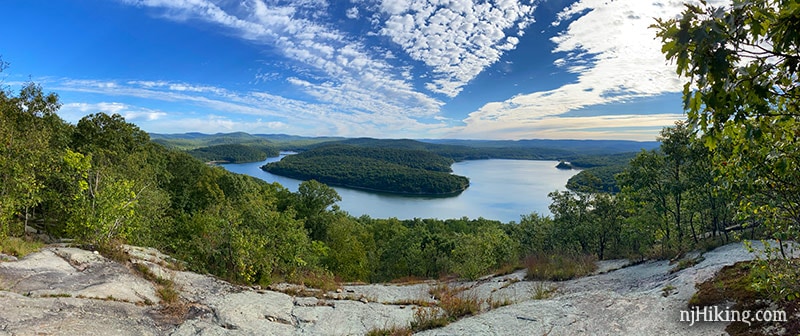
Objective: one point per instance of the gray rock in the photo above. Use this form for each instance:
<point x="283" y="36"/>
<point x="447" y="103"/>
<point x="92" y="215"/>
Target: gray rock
<point x="6" y="257"/>
<point x="350" y="318"/>
<point x="22" y="315"/>
<point x="39" y="295"/>
<point x="75" y="273"/>
<point x="627" y="301"/>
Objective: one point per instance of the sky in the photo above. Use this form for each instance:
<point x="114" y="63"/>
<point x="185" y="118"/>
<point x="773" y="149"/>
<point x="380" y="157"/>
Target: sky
<point x="455" y="69"/>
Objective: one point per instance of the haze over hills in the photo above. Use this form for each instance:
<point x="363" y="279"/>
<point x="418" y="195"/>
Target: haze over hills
<point x="298" y="142"/>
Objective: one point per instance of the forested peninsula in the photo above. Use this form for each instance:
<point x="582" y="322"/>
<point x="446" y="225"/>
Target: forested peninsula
<point x="390" y="170"/>
<point x="234" y="153"/>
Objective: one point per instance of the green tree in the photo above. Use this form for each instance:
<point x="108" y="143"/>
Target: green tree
<point x="122" y="198"/>
<point x="349" y="245"/>
<point x="29" y="153"/>
<point x="741" y="63"/>
<point x="573" y="230"/>
<point x="312" y="199"/>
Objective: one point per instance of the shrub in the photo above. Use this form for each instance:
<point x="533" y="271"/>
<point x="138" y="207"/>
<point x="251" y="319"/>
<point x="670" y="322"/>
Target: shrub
<point x="19" y="247"/>
<point x="428" y="318"/>
<point x="540" y="291"/>
<point x="393" y="331"/>
<point x="555" y="267"/>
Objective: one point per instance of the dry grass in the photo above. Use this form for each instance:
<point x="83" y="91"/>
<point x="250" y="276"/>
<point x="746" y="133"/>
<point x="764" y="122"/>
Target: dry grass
<point x="19" y="247"/>
<point x="413" y="302"/>
<point x="173" y="310"/>
<point x="393" y="331"/>
<point x="667" y="290"/>
<point x="428" y="318"/>
<point x="113" y="250"/>
<point x="555" y="267"/>
<point x="510" y="282"/>
<point x="494" y="304"/>
<point x="540" y="291"/>
<point x="59" y="295"/>
<point x="409" y="280"/>
<point x="508" y="269"/>
<point x="322" y="280"/>
<point x="165" y="288"/>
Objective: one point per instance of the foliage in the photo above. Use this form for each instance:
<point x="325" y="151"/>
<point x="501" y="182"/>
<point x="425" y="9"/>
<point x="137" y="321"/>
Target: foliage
<point x="234" y="153"/>
<point x="742" y="65"/>
<point x="734" y="284"/>
<point x="104" y="182"/>
<point x="677" y="186"/>
<point x="18" y="247"/>
<point x="597" y="179"/>
<point x="477" y="254"/>
<point x="31" y="140"/>
<point x="599" y="171"/>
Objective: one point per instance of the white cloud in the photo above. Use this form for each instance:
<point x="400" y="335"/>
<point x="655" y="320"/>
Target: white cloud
<point x="214" y="124"/>
<point x="456" y="39"/>
<point x="271" y="111"/>
<point x="73" y="112"/>
<point x="612" y="127"/>
<point x="615" y="56"/>
<point x="352" y="13"/>
<point x="348" y="65"/>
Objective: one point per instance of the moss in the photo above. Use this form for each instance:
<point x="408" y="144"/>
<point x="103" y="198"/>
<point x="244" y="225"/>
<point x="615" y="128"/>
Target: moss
<point x="731" y="282"/>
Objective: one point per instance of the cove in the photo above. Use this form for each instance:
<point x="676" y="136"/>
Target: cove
<point x="499" y="189"/>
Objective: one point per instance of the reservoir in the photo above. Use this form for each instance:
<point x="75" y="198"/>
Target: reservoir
<point x="499" y="189"/>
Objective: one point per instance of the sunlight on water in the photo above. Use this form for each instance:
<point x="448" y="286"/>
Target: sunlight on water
<point x="499" y="189"/>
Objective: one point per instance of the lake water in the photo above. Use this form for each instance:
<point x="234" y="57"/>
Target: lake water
<point x="499" y="189"/>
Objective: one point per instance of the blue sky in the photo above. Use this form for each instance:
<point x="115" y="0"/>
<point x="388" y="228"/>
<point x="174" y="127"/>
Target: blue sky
<point x="501" y="69"/>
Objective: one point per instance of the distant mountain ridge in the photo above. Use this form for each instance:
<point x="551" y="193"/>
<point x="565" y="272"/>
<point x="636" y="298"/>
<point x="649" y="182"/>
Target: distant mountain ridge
<point x="579" y="146"/>
<point x="601" y="159"/>
<point x="297" y="142"/>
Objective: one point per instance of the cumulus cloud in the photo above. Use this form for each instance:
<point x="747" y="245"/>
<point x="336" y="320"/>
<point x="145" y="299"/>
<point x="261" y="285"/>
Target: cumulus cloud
<point x="352" y="13"/>
<point x="615" y="56"/>
<point x="456" y="39"/>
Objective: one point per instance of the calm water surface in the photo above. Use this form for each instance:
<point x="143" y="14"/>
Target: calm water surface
<point x="499" y="189"/>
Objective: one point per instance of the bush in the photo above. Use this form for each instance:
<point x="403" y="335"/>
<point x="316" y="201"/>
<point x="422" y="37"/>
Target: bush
<point x="19" y="247"/>
<point x="555" y="267"/>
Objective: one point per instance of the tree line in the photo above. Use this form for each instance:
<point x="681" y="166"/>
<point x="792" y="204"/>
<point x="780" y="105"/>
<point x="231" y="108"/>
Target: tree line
<point x="103" y="182"/>
<point x="234" y="153"/>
